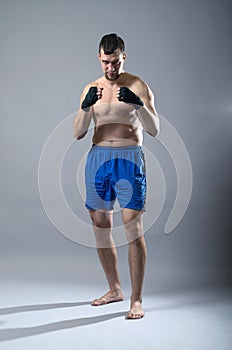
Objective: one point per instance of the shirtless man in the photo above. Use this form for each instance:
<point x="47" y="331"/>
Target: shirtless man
<point x="121" y="106"/>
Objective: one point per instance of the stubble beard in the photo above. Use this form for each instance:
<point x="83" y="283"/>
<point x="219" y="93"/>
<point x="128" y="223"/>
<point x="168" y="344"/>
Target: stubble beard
<point x="114" y="77"/>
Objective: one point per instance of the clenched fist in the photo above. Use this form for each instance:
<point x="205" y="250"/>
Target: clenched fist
<point x="126" y="95"/>
<point x="92" y="96"/>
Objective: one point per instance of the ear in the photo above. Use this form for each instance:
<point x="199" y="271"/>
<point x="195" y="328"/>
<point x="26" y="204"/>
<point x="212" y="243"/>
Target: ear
<point x="124" y="56"/>
<point x="99" y="57"/>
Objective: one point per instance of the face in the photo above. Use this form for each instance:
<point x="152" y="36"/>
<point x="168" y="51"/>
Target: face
<point x="112" y="65"/>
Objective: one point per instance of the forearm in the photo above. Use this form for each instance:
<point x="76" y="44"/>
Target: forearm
<point x="81" y="123"/>
<point x="149" y="120"/>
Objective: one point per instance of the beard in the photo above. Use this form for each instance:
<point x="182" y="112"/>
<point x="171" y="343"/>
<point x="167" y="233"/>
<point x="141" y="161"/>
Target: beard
<point x="112" y="77"/>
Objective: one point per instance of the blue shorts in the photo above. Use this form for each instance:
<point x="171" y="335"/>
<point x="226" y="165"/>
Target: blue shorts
<point x="115" y="172"/>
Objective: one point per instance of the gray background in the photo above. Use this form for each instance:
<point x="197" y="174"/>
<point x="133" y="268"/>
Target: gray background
<point x="182" y="49"/>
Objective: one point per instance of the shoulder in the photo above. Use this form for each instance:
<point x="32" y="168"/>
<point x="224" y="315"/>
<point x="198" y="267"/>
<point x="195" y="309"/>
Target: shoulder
<point x="134" y="80"/>
<point x="130" y="79"/>
<point x="138" y="85"/>
<point x="89" y="85"/>
<point x="97" y="82"/>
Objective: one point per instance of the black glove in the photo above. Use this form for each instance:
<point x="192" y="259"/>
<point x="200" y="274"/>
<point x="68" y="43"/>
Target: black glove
<point x="128" y="96"/>
<point x="90" y="98"/>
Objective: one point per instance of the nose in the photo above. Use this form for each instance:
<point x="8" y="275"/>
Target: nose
<point x="111" y="67"/>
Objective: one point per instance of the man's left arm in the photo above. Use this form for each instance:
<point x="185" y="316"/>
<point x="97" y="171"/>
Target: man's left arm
<point x="147" y="113"/>
<point x="143" y="100"/>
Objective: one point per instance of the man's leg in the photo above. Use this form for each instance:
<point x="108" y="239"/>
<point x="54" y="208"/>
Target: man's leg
<point x="102" y="225"/>
<point x="132" y="220"/>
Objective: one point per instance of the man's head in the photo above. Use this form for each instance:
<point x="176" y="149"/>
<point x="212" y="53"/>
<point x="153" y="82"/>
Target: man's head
<point x="112" y="55"/>
<point x="110" y="43"/>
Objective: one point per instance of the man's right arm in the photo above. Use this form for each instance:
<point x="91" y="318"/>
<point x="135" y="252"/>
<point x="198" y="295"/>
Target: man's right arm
<point x="84" y="116"/>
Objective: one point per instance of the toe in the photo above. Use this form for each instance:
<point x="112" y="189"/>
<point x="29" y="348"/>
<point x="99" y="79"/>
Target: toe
<point x="136" y="316"/>
<point x="129" y="315"/>
<point x="98" y="302"/>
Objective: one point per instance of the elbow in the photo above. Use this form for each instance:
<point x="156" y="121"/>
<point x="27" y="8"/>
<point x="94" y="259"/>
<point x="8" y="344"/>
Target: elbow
<point x="79" y="137"/>
<point x="157" y="132"/>
<point x="156" y="129"/>
<point x="154" y="132"/>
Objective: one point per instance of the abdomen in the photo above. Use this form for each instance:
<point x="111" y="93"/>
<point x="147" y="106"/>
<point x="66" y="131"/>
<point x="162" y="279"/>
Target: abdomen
<point x="120" y="134"/>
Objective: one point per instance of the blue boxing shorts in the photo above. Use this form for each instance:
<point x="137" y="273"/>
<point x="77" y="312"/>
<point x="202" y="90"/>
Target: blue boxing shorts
<point x="115" y="173"/>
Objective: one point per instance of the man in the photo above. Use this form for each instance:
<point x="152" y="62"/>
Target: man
<point x="121" y="106"/>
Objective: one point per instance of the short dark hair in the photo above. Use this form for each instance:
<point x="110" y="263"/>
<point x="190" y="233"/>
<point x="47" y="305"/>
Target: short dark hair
<point x="111" y="42"/>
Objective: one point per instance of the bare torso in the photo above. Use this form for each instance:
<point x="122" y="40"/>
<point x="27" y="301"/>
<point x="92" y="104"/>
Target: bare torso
<point x="116" y="123"/>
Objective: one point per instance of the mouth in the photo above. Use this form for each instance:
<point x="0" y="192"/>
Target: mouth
<point x="111" y="76"/>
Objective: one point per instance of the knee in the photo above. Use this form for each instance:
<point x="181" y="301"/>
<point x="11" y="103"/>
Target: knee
<point x="138" y="243"/>
<point x="100" y="220"/>
<point x="101" y="223"/>
<point x="134" y="231"/>
<point x="133" y="227"/>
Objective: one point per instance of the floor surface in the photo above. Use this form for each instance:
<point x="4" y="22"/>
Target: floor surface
<point x="57" y="316"/>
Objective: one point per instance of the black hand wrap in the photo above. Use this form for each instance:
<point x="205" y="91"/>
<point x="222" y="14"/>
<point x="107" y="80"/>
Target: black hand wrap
<point x="128" y="96"/>
<point x="90" y="98"/>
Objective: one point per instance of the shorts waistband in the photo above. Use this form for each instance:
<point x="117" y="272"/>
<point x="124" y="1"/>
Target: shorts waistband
<point x="134" y="147"/>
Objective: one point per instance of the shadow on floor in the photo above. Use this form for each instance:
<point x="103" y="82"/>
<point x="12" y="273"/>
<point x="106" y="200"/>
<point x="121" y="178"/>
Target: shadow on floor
<point x="178" y="301"/>
<point x="17" y="333"/>
<point x="25" y="308"/>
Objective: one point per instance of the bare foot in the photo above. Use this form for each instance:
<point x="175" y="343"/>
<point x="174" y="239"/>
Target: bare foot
<point x="110" y="297"/>
<point x="136" y="311"/>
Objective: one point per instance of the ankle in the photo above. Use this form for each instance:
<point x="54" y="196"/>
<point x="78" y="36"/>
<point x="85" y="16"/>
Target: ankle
<point x="136" y="298"/>
<point x="116" y="291"/>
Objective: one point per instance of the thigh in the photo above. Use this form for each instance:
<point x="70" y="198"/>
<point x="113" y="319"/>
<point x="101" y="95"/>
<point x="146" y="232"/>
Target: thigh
<point x="131" y="182"/>
<point x="99" y="193"/>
